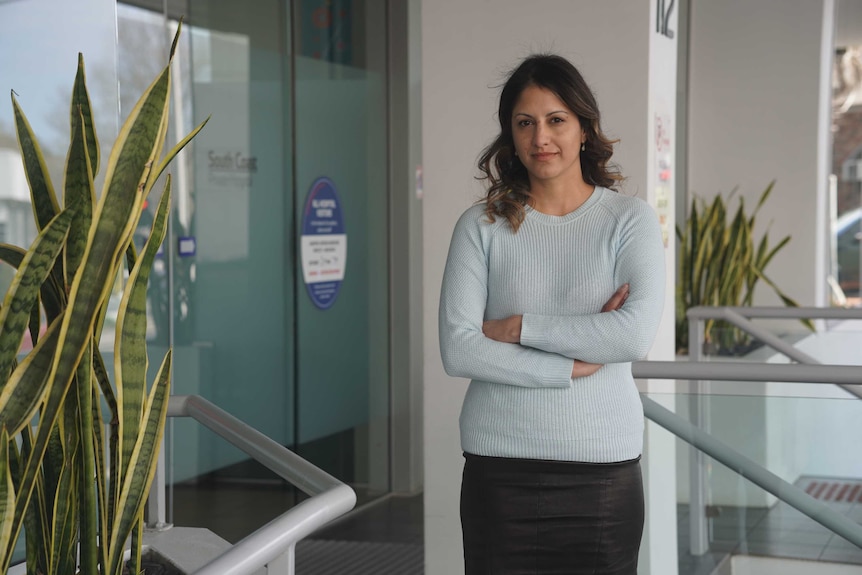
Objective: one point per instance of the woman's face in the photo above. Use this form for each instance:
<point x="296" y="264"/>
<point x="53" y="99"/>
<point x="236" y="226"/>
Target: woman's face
<point x="547" y="136"/>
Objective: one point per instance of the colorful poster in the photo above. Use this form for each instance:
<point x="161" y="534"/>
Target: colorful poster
<point x="323" y="243"/>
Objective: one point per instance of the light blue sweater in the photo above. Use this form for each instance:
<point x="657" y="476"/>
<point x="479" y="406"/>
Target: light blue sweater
<point x="558" y="271"/>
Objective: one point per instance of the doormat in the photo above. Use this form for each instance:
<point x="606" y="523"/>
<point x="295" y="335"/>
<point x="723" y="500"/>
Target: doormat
<point x="835" y="490"/>
<point x="327" y="557"/>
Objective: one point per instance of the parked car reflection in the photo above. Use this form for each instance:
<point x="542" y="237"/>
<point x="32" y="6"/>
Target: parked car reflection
<point x="848" y="235"/>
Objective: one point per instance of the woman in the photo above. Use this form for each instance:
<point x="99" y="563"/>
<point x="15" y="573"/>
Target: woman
<point x="552" y="423"/>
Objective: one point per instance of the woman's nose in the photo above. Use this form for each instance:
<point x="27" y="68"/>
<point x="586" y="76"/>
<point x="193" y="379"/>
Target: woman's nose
<point x="540" y="136"/>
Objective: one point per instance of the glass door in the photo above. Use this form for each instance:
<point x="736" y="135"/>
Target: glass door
<point x="272" y="288"/>
<point x="342" y="274"/>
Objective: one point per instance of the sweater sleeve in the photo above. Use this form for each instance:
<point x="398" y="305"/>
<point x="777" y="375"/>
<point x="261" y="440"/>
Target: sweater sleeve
<point x="623" y="335"/>
<point x="465" y="350"/>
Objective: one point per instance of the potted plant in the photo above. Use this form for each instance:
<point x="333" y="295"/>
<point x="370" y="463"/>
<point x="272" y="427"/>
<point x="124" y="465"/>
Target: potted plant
<point x="720" y="263"/>
<point x="74" y="489"/>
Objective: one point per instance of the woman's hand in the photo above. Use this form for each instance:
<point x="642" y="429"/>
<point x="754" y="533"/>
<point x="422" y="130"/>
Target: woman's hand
<point x="583" y="369"/>
<point x="506" y="330"/>
<point x="618" y="299"/>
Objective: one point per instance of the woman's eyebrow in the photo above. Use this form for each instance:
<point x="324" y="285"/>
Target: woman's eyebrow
<point x="546" y="115"/>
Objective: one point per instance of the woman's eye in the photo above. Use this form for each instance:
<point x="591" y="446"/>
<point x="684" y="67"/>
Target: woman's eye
<point x="524" y="123"/>
<point x="557" y="120"/>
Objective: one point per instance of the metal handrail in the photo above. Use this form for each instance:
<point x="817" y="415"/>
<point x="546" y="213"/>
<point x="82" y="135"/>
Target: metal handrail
<point x="779" y="312"/>
<point x="742" y="371"/>
<point x="274" y="544"/>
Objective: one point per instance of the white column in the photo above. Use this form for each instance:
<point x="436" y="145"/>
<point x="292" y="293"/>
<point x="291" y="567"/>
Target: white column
<point x="659" y="546"/>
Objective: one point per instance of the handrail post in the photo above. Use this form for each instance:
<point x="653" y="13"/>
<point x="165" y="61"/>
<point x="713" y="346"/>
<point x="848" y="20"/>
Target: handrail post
<point x="284" y="564"/>
<point x="698" y="527"/>
<point x="156" y="508"/>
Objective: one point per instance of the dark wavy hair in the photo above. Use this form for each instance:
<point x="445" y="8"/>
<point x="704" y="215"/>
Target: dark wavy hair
<point x="509" y="183"/>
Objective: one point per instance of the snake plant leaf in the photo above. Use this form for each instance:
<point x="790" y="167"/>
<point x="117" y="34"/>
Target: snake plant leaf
<point x="80" y="108"/>
<point x="12" y="255"/>
<point x="171" y="154"/>
<point x="24" y="291"/>
<point x="86" y="487"/>
<point x="101" y="489"/>
<point x="36" y="515"/>
<point x="51" y="291"/>
<point x="34" y="323"/>
<point x="130" y="351"/>
<point x="45" y="205"/>
<point x="79" y="194"/>
<point x="137" y="540"/>
<point x="163" y="131"/>
<point x="100" y="373"/>
<point x="7" y="501"/>
<point x="62" y="557"/>
<point x="142" y="463"/>
<point x="768" y="257"/>
<point x="763" y="197"/>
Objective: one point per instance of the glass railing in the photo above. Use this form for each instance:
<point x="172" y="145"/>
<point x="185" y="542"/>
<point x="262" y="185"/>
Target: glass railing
<point x="806" y="442"/>
<point x="769" y="422"/>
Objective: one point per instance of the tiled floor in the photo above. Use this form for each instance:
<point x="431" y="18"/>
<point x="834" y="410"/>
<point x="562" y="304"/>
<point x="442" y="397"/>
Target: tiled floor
<point x="383" y="537"/>
<point x="778" y="531"/>
<point x="393" y="527"/>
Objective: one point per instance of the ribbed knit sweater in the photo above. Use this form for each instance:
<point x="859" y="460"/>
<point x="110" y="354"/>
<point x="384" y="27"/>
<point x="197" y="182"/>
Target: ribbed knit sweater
<point x="558" y="271"/>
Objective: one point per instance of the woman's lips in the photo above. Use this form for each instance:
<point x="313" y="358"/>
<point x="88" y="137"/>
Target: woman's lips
<point x="544" y="156"/>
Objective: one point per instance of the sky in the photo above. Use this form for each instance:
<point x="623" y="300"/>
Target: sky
<point x="39" y="45"/>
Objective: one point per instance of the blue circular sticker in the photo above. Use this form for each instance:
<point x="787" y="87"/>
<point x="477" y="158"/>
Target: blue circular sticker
<point x="323" y="243"/>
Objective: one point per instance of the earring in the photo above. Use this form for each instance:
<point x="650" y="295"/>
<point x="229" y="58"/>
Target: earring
<point x="583" y="146"/>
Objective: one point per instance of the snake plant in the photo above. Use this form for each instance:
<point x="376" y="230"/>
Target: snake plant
<point x="77" y="491"/>
<point x="720" y="264"/>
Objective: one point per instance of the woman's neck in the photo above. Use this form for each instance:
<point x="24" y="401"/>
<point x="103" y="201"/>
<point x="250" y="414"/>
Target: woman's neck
<point x="559" y="200"/>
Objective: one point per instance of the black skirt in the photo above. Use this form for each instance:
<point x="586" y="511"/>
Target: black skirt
<point x="532" y="517"/>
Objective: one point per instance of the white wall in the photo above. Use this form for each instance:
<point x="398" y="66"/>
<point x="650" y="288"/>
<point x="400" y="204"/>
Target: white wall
<point x="754" y="116"/>
<point x="468" y="47"/>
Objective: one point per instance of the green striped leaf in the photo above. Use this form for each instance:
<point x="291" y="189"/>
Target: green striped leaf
<point x="79" y="195"/>
<point x="51" y="291"/>
<point x="142" y="463"/>
<point x="130" y="351"/>
<point x="171" y="154"/>
<point x="100" y="481"/>
<point x="80" y="107"/>
<point x="45" y="205"/>
<point x="7" y="501"/>
<point x="100" y="373"/>
<point x="87" y="461"/>
<point x="62" y="525"/>
<point x="27" y="385"/>
<point x="24" y="291"/>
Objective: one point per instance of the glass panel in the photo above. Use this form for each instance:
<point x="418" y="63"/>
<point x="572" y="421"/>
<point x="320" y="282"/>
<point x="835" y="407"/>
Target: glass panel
<point x="847" y="152"/>
<point x="222" y="290"/>
<point x="229" y="508"/>
<point x="810" y="443"/>
<point x="232" y="324"/>
<point x="342" y="319"/>
<point x="805" y="433"/>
